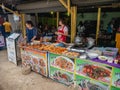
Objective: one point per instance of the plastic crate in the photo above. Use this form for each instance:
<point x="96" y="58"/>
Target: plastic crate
<point x="108" y="51"/>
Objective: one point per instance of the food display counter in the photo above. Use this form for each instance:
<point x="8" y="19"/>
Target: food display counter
<point x="36" y="59"/>
<point x="66" y="67"/>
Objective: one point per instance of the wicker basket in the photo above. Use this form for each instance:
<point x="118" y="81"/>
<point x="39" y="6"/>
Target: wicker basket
<point x="26" y="70"/>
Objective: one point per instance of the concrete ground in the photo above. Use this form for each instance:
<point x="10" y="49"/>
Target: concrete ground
<point x="11" y="78"/>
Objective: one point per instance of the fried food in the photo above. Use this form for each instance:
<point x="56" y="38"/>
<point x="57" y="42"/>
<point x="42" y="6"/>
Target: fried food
<point x="53" y="49"/>
<point x="71" y="54"/>
<point x="63" y="63"/>
<point x="95" y="71"/>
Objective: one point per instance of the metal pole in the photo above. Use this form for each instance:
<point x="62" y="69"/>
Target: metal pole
<point x="98" y="25"/>
<point x="57" y="18"/>
<point x="71" y="24"/>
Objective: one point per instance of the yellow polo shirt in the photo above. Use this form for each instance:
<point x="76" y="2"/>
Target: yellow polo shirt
<point x="7" y="26"/>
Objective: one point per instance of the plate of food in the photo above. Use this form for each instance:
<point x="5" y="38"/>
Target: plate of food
<point x="62" y="77"/>
<point x="103" y="58"/>
<point x="96" y="72"/>
<point x="64" y="63"/>
<point x="90" y="85"/>
<point x="117" y="83"/>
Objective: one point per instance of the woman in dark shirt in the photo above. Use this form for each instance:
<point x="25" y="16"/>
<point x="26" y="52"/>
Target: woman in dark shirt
<point x="31" y="32"/>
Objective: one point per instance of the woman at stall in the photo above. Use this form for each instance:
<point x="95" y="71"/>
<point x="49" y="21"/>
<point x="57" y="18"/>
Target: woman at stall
<point x="62" y="32"/>
<point x="31" y="32"/>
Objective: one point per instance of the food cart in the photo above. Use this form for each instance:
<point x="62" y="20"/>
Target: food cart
<point x="65" y="66"/>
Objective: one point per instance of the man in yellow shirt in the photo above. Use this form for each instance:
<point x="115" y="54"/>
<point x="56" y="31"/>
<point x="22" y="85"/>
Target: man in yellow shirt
<point x="7" y="27"/>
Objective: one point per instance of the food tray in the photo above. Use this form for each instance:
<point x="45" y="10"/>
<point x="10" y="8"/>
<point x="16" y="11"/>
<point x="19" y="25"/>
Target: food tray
<point x="77" y="50"/>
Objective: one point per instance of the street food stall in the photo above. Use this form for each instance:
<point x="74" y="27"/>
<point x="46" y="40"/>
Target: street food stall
<point x="90" y="68"/>
<point x="96" y="68"/>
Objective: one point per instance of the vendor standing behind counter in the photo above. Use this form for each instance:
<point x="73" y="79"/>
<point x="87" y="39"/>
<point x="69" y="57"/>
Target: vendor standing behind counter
<point x="31" y="32"/>
<point x="62" y="32"/>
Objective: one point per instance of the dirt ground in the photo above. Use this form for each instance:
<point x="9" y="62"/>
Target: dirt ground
<point x="11" y="78"/>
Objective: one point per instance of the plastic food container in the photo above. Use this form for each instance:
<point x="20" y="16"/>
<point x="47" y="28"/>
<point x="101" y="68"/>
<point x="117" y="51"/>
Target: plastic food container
<point x="92" y="55"/>
<point x="116" y="61"/>
<point x="110" y="52"/>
